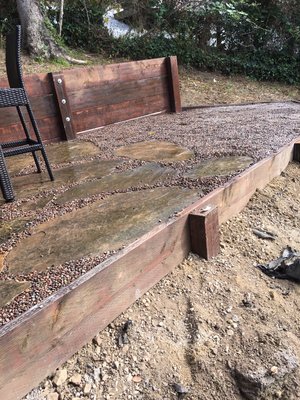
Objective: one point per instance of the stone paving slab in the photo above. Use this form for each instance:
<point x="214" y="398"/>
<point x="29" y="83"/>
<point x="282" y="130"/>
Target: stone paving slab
<point x="32" y="184"/>
<point x="155" y="151"/>
<point x="148" y="174"/>
<point x="219" y="167"/>
<point x="10" y="289"/>
<point x="58" y="153"/>
<point x="102" y="226"/>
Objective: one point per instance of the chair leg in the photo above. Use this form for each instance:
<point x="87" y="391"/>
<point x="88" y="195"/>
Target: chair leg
<point x="44" y="154"/>
<point x="36" y="160"/>
<point x="39" y="139"/>
<point x="5" y="183"/>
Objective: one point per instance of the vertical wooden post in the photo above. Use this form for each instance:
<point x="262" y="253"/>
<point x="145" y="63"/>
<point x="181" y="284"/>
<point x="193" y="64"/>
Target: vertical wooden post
<point x="204" y="232"/>
<point x="174" y="90"/>
<point x="296" y="152"/>
<point x="63" y="104"/>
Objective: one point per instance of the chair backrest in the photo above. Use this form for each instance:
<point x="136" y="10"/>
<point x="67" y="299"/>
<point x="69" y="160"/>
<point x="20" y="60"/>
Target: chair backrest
<point x="13" y="59"/>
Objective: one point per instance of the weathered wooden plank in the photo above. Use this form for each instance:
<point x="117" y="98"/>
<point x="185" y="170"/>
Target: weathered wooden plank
<point x="104" y="115"/>
<point x="204" y="232"/>
<point x="63" y="105"/>
<point x="117" y="93"/>
<point x="42" y="107"/>
<point x="35" y="84"/>
<point x="50" y="129"/>
<point x="36" y="343"/>
<point x="175" y="101"/>
<point x="77" y="79"/>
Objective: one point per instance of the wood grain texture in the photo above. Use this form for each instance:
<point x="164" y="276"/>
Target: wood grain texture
<point x="204" y="232"/>
<point x="113" y="73"/>
<point x="108" y="114"/>
<point x="50" y="129"/>
<point x="41" y="339"/>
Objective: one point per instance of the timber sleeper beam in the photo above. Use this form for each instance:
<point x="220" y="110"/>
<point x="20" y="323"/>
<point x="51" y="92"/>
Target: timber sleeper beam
<point x="204" y="232"/>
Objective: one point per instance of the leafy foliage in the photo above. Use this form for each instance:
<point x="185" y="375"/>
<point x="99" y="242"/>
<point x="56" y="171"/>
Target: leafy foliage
<point x="259" y="38"/>
<point x="83" y="23"/>
<point x="8" y="18"/>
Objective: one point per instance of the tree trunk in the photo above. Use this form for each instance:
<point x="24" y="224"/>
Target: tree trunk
<point x="61" y="17"/>
<point x="38" y="39"/>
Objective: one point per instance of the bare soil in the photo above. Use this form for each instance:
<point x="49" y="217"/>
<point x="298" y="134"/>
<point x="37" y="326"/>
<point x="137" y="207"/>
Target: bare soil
<point x="199" y="87"/>
<point x="210" y="326"/>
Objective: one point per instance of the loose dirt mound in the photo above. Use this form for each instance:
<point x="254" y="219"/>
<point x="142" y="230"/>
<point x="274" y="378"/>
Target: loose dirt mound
<point x="221" y="329"/>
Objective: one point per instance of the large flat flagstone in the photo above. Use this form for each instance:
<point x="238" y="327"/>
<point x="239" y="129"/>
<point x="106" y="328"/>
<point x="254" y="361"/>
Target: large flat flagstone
<point x="10" y="289"/>
<point x="57" y="153"/>
<point x="219" y="167"/>
<point x="104" y="225"/>
<point x="148" y="174"/>
<point x="29" y="185"/>
<point x="155" y="151"/>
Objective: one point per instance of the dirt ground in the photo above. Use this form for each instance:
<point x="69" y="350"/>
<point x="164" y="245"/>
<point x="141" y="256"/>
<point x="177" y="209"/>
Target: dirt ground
<point x="215" y="328"/>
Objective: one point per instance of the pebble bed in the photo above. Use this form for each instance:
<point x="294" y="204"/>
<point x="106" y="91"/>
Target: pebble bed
<point x="255" y="131"/>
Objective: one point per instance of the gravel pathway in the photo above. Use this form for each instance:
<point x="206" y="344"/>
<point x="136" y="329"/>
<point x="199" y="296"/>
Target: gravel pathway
<point x="254" y="131"/>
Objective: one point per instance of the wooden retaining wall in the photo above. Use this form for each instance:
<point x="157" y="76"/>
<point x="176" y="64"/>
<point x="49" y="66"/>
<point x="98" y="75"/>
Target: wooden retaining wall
<point x="35" y="344"/>
<point x="76" y="100"/>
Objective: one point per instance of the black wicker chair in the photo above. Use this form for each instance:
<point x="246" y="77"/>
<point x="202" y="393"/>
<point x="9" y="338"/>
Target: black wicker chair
<point x="16" y="96"/>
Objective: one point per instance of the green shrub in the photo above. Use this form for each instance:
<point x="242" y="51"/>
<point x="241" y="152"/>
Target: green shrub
<point x="260" y="65"/>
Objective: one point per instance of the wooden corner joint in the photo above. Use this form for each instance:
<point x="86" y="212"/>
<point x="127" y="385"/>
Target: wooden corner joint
<point x="204" y="232"/>
<point x="296" y="152"/>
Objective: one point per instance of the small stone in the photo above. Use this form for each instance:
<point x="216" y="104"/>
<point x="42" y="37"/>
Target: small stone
<point x="53" y="396"/>
<point x="60" y="377"/>
<point x="235" y="318"/>
<point x="97" y="374"/>
<point x="87" y="388"/>
<point x="137" y="378"/>
<point x="75" y="379"/>
<point x="274" y="370"/>
<point x="180" y="389"/>
<point x="230" y="332"/>
<point x="125" y="348"/>
<point x="97" y="340"/>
